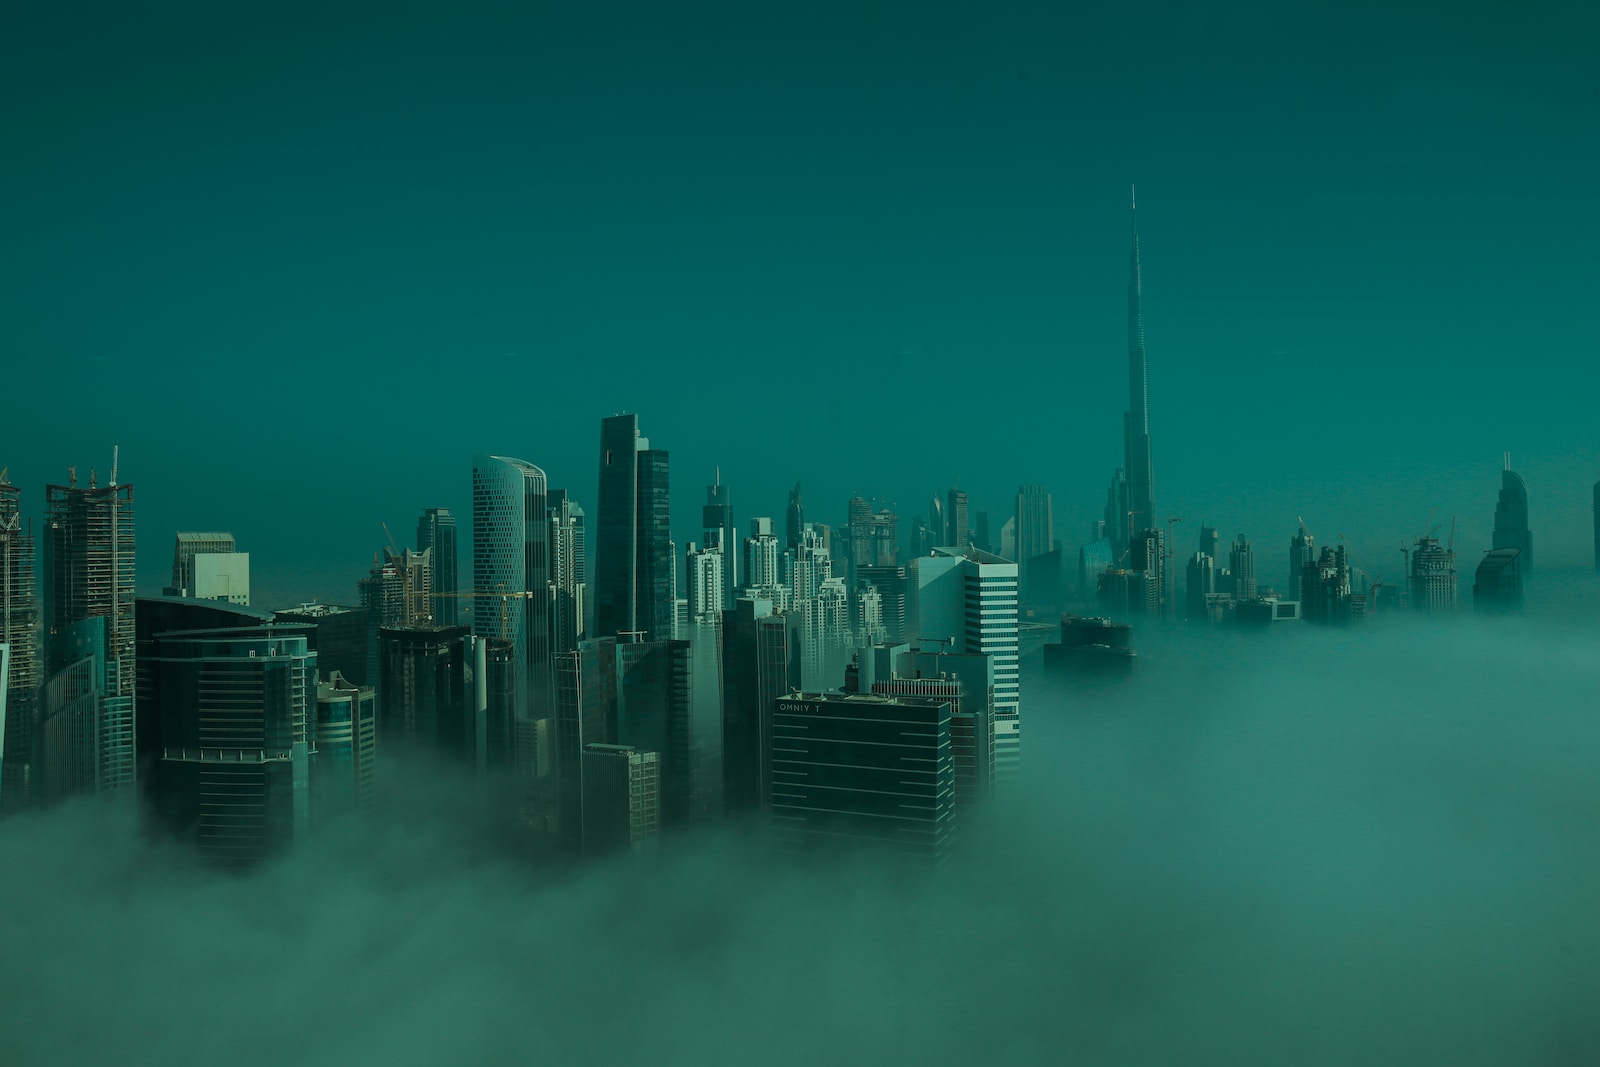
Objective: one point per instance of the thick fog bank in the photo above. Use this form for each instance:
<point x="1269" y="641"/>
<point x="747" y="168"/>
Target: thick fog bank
<point x="1308" y="847"/>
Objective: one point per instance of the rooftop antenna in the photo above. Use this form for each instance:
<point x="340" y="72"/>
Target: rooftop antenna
<point x="115" y="455"/>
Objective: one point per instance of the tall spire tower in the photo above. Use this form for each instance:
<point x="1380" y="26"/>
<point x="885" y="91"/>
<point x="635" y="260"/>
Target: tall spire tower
<point x="1141" y="505"/>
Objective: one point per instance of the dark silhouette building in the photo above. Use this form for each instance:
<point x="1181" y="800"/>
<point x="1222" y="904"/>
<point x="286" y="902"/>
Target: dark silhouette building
<point x="1302" y="550"/>
<point x="761" y="661"/>
<point x="858" y="770"/>
<point x="794" y="520"/>
<point x="957" y="532"/>
<point x="621" y="799"/>
<point x="1511" y="518"/>
<point x="1497" y="585"/>
<point x="633" y="537"/>
<point x="436" y="535"/>
<point x="422" y="696"/>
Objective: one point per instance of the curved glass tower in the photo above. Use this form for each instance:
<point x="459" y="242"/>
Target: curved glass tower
<point x="511" y="555"/>
<point x="1511" y="518"/>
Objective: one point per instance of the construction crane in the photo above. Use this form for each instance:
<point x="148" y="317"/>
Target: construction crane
<point x="504" y="596"/>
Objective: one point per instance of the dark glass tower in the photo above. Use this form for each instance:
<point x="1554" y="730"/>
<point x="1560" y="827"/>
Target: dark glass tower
<point x="1137" y="462"/>
<point x="717" y="521"/>
<point x="1511" y="518"/>
<point x="633" y="535"/>
<point x="436" y="530"/>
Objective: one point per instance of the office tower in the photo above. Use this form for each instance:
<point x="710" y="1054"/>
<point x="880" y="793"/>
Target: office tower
<point x="889" y="582"/>
<point x="716" y="518"/>
<point x="1147" y="553"/>
<point x="416" y="585"/>
<point x="968" y="601"/>
<point x="967" y="681"/>
<point x="938" y="530"/>
<point x="1432" y="577"/>
<point x="1140" y="467"/>
<point x="237" y="709"/>
<point x="19" y="629"/>
<point x="568" y="583"/>
<point x="621" y="799"/>
<point x="1302" y="550"/>
<point x="338" y="634"/>
<point x="1325" y="593"/>
<point x="1200" y="582"/>
<point x="344" y="769"/>
<point x="1242" y="563"/>
<point x="1210" y="541"/>
<point x="1497" y="585"/>
<point x="209" y="566"/>
<point x="1511" y="519"/>
<point x="761" y="555"/>
<point x="980" y="532"/>
<point x="956" y="529"/>
<point x="586" y="714"/>
<point x="1118" y="527"/>
<point x="511" y="558"/>
<point x="760" y="663"/>
<point x="423" y="697"/>
<point x="633" y="548"/>
<point x="436" y="534"/>
<point x="1094" y="560"/>
<point x="704" y="569"/>
<point x="1035" y="532"/>
<point x="89" y="626"/>
<point x="862" y="770"/>
<point x="794" y="518"/>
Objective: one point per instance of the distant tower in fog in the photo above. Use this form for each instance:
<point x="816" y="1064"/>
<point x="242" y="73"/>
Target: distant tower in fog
<point x="1302" y="550"/>
<point x="956" y="519"/>
<point x="1511" y="518"/>
<point x="1242" y="562"/>
<point x="1140" y="467"/>
<point x="1597" y="526"/>
<point x="794" y="519"/>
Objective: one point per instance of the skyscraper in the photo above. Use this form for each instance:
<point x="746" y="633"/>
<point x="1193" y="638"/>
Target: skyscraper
<point x="956" y="521"/>
<point x="794" y="518"/>
<point x="19" y="629"/>
<point x="1597" y="526"/>
<point x="864" y="770"/>
<point x="1036" y="534"/>
<point x="1242" y="562"/>
<point x="436" y="532"/>
<point x="633" y="543"/>
<point x="511" y="555"/>
<point x="238" y="711"/>
<point x="1432" y="579"/>
<point x="967" y="601"/>
<point x="1138" y="463"/>
<point x="1302" y="550"/>
<point x="89" y="624"/>
<point x="1497" y="585"/>
<point x="569" y="620"/>
<point x="1511" y="519"/>
<point x="716" y="518"/>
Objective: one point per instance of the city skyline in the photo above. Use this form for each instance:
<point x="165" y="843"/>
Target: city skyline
<point x="922" y="212"/>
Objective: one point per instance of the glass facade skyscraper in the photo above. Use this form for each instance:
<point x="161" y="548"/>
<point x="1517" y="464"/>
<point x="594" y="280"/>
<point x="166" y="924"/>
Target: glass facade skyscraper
<point x="511" y="571"/>
<point x="633" y="537"/>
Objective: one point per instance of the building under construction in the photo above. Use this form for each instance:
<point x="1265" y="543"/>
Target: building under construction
<point x="19" y="629"/>
<point x="86" y="723"/>
<point x="1432" y="576"/>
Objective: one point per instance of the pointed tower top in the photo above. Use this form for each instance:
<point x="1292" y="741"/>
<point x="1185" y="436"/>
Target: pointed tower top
<point x="1133" y="197"/>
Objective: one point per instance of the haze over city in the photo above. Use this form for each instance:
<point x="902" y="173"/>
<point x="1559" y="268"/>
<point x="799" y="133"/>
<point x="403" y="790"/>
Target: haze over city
<point x="871" y="272"/>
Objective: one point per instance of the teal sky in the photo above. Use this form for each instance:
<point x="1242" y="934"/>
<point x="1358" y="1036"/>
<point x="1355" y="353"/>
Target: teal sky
<point x="302" y="264"/>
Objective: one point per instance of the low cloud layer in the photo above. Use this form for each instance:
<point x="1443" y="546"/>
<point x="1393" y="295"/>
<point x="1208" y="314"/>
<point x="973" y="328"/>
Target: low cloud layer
<point x="1303" y="847"/>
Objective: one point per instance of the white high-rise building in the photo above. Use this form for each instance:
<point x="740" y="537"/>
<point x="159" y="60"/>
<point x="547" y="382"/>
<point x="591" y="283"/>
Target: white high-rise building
<point x="761" y="555"/>
<point x="967" y="602"/>
<point x="208" y="566"/>
<point x="704" y="567"/>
